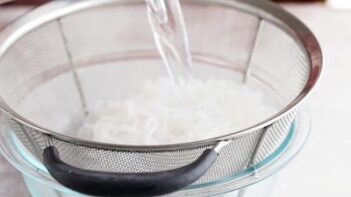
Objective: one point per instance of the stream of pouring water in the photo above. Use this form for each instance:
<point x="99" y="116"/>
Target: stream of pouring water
<point x="171" y="37"/>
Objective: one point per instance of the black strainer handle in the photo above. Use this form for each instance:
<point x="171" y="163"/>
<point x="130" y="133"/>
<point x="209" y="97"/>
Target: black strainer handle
<point x="127" y="184"/>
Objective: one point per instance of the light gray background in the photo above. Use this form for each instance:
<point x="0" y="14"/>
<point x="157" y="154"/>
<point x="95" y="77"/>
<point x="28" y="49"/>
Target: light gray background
<point x="323" y="168"/>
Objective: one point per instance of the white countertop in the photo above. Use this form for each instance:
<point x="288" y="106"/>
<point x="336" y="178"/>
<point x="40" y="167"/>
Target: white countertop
<point x="321" y="169"/>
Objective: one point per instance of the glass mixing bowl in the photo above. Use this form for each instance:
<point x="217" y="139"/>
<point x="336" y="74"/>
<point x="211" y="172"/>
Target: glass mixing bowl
<point x="254" y="181"/>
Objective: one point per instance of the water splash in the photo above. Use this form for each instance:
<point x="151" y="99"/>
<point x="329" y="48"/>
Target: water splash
<point x="171" y="37"/>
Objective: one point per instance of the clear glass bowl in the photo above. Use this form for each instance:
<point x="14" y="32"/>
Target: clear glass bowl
<point x="256" y="180"/>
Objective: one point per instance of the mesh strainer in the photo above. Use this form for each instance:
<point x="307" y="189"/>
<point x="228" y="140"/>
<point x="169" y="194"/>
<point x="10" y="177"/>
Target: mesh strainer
<point x="62" y="57"/>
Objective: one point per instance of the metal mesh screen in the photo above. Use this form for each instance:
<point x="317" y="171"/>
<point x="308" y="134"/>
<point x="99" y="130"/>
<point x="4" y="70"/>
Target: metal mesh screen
<point x="280" y="62"/>
<point x="37" y="80"/>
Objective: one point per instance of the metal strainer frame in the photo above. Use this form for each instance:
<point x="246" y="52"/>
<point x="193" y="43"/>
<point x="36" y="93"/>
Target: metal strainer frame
<point x="42" y="141"/>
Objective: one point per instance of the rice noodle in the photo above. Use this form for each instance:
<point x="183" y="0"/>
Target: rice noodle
<point x="164" y="113"/>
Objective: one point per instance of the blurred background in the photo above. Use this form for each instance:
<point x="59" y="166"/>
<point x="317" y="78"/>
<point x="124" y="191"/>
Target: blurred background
<point x="322" y="168"/>
<point x="43" y="1"/>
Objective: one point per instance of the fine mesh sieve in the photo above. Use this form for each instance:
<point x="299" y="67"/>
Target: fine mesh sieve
<point x="62" y="57"/>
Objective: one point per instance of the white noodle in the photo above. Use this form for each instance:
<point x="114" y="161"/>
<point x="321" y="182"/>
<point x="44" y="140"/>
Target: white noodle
<point x="164" y="113"/>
